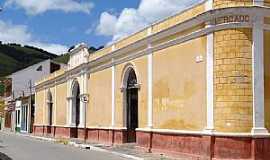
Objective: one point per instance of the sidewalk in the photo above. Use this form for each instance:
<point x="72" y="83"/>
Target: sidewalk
<point x="126" y="150"/>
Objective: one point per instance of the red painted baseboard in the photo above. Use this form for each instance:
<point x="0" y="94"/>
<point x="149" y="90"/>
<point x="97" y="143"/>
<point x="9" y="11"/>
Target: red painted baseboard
<point x="187" y="146"/>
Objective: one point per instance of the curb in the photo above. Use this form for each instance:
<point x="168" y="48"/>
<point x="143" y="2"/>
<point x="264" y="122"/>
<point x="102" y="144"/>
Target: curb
<point x="81" y="146"/>
<point x="93" y="148"/>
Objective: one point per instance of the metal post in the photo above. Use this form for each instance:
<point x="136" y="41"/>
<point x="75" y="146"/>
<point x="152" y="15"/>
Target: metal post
<point x="30" y="108"/>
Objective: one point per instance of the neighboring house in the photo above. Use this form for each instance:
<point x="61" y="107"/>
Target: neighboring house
<point x="9" y="105"/>
<point x="20" y="103"/>
<point x="2" y="107"/>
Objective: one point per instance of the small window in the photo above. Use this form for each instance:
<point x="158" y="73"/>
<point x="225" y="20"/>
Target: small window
<point x="39" y="68"/>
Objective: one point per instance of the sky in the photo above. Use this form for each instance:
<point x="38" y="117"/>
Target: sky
<point x="56" y="25"/>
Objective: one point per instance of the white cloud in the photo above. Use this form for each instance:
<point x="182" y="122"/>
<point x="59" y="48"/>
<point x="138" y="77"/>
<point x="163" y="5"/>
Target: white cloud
<point x="153" y="10"/>
<point x="50" y="47"/>
<point x="131" y="19"/>
<point x="106" y="24"/>
<point x="10" y="33"/>
<point x="13" y="33"/>
<point x="34" y="7"/>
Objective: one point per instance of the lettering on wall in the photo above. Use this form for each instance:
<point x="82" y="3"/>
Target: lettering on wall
<point x="231" y="19"/>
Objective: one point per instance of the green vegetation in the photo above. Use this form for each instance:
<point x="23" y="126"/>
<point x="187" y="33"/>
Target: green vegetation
<point x="14" y="57"/>
<point x="64" y="58"/>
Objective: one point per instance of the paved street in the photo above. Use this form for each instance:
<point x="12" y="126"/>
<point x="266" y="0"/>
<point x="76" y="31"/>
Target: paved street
<point x="14" y="147"/>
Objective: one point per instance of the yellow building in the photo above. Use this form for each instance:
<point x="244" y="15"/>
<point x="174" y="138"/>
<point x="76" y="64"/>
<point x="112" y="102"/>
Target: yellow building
<point x="195" y="84"/>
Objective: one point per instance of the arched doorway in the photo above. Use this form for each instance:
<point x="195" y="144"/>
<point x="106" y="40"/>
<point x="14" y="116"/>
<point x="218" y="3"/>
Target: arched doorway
<point x="50" y="111"/>
<point x="75" y="108"/>
<point x="131" y="94"/>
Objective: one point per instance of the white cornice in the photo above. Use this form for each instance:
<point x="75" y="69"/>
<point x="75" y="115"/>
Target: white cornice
<point x="126" y="53"/>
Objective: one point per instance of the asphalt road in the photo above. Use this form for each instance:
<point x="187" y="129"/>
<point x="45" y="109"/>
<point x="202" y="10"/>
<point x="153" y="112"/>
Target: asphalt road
<point x="14" y="147"/>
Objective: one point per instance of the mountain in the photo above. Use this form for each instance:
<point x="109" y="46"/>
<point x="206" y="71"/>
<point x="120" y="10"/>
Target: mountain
<point x="14" y="57"/>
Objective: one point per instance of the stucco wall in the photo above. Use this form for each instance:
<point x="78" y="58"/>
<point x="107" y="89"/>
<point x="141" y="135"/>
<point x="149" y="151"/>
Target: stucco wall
<point x="177" y="35"/>
<point x="267" y="3"/>
<point x="267" y="78"/>
<point x="61" y="103"/>
<point x="39" y="107"/>
<point x="140" y="65"/>
<point x="100" y="91"/>
<point x="179" y="18"/>
<point x="233" y="80"/>
<point x="179" y="87"/>
<point x="100" y="53"/>
<point x="131" y="39"/>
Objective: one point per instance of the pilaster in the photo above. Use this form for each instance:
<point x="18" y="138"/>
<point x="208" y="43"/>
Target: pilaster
<point x="210" y="74"/>
<point x="150" y="82"/>
<point x="258" y="77"/>
<point x="113" y="90"/>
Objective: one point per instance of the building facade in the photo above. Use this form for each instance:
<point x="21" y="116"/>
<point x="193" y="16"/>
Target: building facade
<point x="194" y="84"/>
<point x="9" y="105"/>
<point x="20" y="100"/>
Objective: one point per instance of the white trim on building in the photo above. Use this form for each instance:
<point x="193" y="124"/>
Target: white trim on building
<point x="150" y="82"/>
<point x="210" y="75"/>
<point x="258" y="76"/>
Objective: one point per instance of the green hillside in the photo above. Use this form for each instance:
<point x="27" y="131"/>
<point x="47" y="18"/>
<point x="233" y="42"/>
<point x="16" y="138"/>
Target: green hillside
<point x="64" y="58"/>
<point x="14" y="57"/>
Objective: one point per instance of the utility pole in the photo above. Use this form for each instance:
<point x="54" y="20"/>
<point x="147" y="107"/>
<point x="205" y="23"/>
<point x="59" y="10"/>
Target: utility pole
<point x="30" y="108"/>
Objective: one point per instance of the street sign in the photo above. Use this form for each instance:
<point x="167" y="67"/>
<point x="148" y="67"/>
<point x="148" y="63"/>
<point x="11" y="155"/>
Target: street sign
<point x="84" y="98"/>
